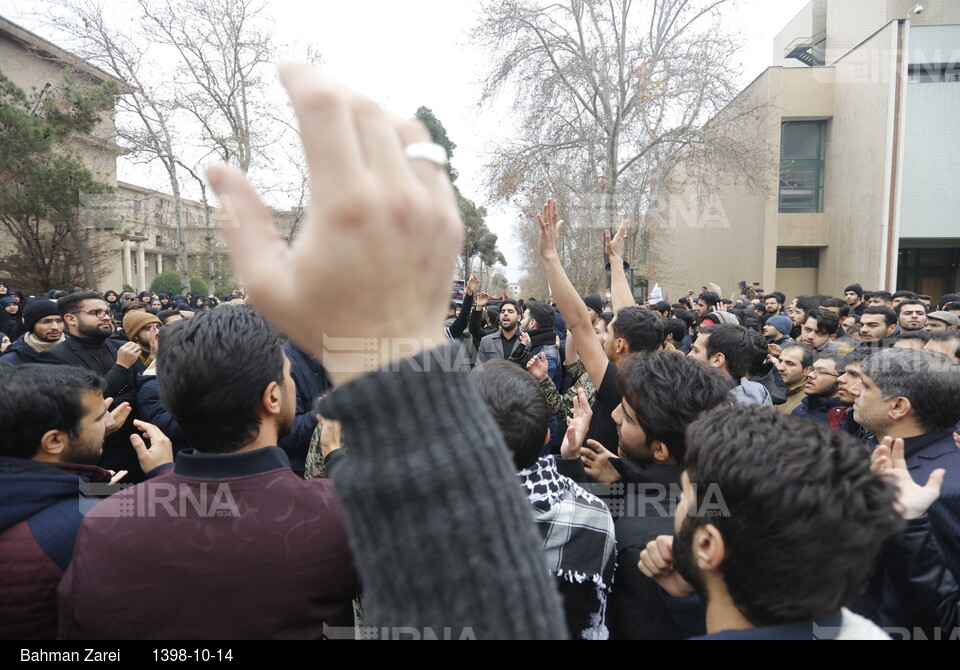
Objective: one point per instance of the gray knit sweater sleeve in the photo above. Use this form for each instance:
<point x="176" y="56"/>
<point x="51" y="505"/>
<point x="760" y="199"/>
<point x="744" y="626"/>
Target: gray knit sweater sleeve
<point x="442" y="536"/>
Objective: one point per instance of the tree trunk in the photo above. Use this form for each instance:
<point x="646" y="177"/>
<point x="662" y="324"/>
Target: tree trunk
<point x="83" y="252"/>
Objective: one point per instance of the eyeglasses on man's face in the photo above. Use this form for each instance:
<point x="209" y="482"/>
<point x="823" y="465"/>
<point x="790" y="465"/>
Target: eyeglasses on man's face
<point x="98" y="313"/>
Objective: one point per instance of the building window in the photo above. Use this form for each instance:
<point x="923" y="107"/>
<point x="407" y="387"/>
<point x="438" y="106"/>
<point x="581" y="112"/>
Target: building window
<point x="136" y="206"/>
<point x="801" y="166"/>
<point x="803" y="257"/>
<point x="927" y="74"/>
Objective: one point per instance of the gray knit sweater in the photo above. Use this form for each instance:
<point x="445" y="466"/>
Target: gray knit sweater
<point x="443" y="538"/>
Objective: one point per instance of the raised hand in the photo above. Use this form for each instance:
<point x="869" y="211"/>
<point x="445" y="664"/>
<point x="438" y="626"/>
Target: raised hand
<point x="472" y="285"/>
<point x="614" y="247"/>
<point x="374" y="213"/>
<point x="538" y="366"/>
<point x="550" y="225"/>
<point x="577" y="427"/>
<point x="596" y="461"/>
<point x="525" y="339"/>
<point x="482" y="299"/>
<point x="656" y="562"/>
<point x="913" y="500"/>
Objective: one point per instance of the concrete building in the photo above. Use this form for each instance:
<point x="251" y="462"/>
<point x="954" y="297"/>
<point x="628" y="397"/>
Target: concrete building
<point x="134" y="227"/>
<point x="145" y="237"/>
<point x="859" y="116"/>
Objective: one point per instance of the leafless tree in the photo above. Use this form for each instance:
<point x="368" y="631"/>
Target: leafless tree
<point x="147" y="123"/>
<point x="614" y="101"/>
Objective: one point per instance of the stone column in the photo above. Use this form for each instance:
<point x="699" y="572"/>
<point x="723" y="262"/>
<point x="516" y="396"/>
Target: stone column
<point x="141" y="268"/>
<point x="159" y="262"/>
<point x="127" y="273"/>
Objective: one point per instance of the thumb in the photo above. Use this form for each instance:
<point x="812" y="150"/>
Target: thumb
<point x="139" y="445"/>
<point x="936" y="481"/>
<point x="596" y="446"/>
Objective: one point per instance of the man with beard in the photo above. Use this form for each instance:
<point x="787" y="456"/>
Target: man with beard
<point x="823" y="391"/>
<point x="209" y="530"/>
<point x="794" y="364"/>
<point x="757" y="490"/>
<point x="501" y="343"/>
<point x="88" y="344"/>
<point x="915" y="396"/>
<point x="53" y="420"/>
<point x="662" y="395"/>
<point x="537" y="335"/>
<point x="911" y="315"/>
<point x="44" y="330"/>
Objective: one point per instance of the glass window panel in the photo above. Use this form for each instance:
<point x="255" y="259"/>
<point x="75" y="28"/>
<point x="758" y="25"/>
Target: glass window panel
<point x="799" y="187"/>
<point x="801" y="140"/>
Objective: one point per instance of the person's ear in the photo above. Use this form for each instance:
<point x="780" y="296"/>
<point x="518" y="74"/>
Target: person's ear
<point x="718" y="360"/>
<point x="271" y="399"/>
<point x="53" y="443"/>
<point x="900" y="407"/>
<point x="546" y="437"/>
<point x="708" y="548"/>
<point x="661" y="453"/>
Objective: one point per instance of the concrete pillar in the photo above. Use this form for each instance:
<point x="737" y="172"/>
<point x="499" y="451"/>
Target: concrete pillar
<point x="127" y="270"/>
<point x="159" y="262"/>
<point x="141" y="268"/>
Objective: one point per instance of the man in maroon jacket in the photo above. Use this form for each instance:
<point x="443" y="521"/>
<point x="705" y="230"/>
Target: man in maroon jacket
<point x="231" y="544"/>
<point x="53" y="420"/>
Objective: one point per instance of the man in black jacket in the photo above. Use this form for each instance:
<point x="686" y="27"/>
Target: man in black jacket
<point x="44" y="330"/>
<point x="87" y="318"/>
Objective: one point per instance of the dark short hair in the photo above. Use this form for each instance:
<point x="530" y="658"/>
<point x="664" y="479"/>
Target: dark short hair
<point x="735" y="343"/>
<point x="885" y="295"/>
<point x="834" y="356"/>
<point x="642" y="329"/>
<point x="541" y="312"/>
<point x="762" y="346"/>
<point x="212" y="372"/>
<point x="517" y="405"/>
<point x="889" y="316"/>
<point x="807" y="353"/>
<point x="513" y="302"/>
<point x="827" y="322"/>
<point x="921" y="335"/>
<point x="944" y="335"/>
<point x="675" y="327"/>
<point x="41" y="398"/>
<point x="808" y="304"/>
<point x="930" y="381"/>
<point x="493" y="313"/>
<point x="904" y="294"/>
<point x="166" y="314"/>
<point x="783" y="480"/>
<point x="839" y="304"/>
<point x="773" y="296"/>
<point x="711" y="298"/>
<point x="858" y="355"/>
<point x="69" y="304"/>
<point x="667" y="392"/>
<point x="899" y="307"/>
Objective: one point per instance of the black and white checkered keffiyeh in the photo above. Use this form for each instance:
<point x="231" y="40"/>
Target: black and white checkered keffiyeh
<point x="578" y="533"/>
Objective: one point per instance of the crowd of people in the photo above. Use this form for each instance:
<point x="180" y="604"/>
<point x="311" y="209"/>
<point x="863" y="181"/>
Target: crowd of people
<point x="322" y="458"/>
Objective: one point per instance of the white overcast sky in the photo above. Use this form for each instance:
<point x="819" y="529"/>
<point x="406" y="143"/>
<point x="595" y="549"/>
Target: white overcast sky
<point x="408" y="53"/>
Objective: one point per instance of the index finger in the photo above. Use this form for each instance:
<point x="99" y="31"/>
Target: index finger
<point x="148" y="428"/>
<point x="330" y="140"/>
